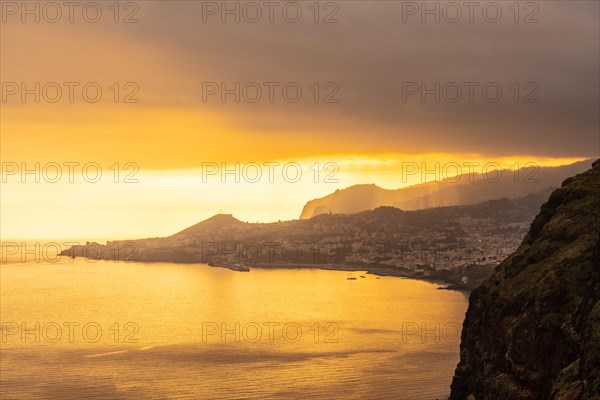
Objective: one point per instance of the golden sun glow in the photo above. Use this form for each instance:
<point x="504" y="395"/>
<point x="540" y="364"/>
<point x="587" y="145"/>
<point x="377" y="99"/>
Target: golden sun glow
<point x="127" y="202"/>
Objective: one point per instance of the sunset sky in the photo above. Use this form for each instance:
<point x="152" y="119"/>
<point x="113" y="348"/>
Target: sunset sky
<point x="364" y="61"/>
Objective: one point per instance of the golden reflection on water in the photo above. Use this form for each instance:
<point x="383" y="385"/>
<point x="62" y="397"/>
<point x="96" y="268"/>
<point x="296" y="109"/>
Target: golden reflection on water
<point x="288" y="334"/>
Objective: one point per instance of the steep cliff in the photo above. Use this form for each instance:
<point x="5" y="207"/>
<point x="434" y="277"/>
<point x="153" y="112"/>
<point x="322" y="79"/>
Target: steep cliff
<point x="532" y="330"/>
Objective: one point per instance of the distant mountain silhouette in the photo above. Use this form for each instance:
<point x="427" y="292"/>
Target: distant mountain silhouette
<point x="215" y="222"/>
<point x="464" y="190"/>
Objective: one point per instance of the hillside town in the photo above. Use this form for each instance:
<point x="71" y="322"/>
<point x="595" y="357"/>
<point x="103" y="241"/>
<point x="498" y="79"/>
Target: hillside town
<point x="438" y="243"/>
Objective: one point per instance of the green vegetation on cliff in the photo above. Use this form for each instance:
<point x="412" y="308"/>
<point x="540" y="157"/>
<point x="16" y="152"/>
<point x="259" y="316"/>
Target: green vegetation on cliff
<point x="532" y="330"/>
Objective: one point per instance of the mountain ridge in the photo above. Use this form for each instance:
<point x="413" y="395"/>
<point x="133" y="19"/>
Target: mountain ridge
<point x="465" y="189"/>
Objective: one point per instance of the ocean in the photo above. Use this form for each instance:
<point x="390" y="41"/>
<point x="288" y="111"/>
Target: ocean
<point x="122" y="330"/>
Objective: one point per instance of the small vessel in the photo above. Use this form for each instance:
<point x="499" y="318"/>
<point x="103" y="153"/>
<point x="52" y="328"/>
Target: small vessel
<point x="362" y="276"/>
<point x="351" y="278"/>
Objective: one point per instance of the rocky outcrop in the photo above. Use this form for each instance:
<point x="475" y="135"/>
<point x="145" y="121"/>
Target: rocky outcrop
<point x="532" y="330"/>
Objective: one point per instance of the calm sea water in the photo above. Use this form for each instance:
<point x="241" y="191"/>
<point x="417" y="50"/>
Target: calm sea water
<point x="109" y="330"/>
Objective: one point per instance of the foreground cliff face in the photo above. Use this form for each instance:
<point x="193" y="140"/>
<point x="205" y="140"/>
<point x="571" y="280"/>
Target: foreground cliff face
<point x="532" y="330"/>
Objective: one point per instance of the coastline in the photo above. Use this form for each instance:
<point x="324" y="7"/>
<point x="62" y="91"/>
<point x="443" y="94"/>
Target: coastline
<point x="377" y="271"/>
<point x="371" y="270"/>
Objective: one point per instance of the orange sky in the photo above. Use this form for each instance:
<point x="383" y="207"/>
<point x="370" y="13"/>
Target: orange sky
<point x="361" y="62"/>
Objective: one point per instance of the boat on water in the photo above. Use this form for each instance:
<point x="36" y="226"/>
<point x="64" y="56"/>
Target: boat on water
<point x="351" y="278"/>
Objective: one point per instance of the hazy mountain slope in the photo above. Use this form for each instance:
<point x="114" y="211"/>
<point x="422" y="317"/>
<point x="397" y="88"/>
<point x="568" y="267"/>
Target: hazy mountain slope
<point x="210" y="224"/>
<point x="532" y="330"/>
<point x="467" y="189"/>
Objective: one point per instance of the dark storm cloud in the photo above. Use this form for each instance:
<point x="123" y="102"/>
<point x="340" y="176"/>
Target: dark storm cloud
<point x="371" y="53"/>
